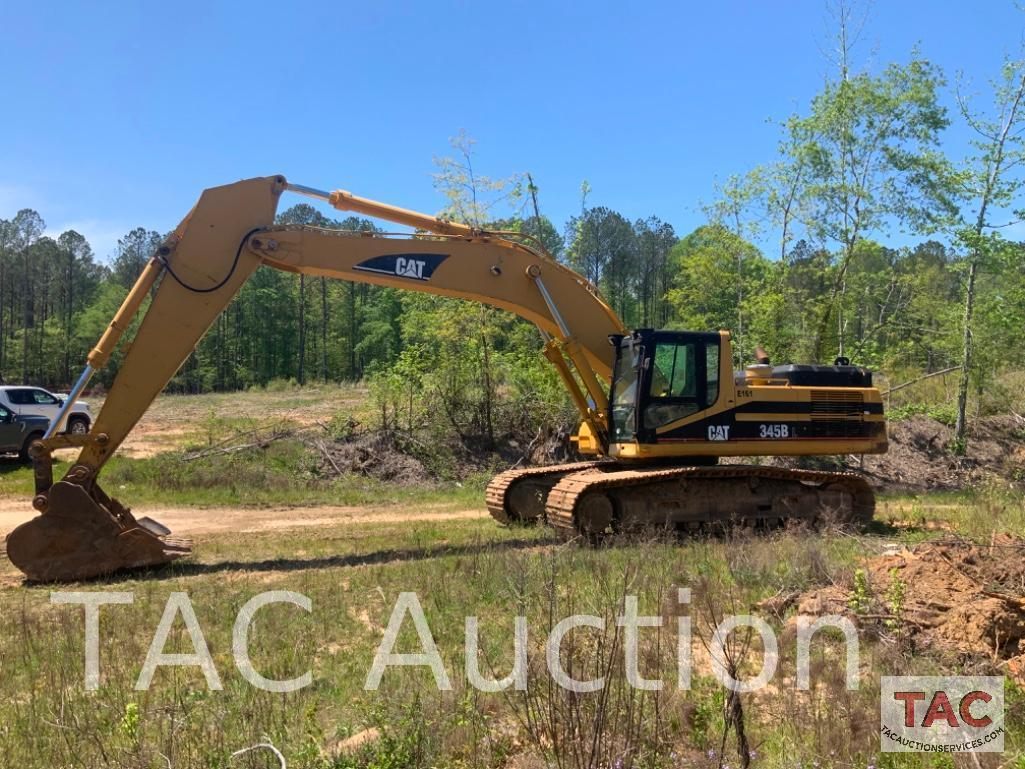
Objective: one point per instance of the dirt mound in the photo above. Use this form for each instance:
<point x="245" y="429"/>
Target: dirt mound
<point x="400" y="457"/>
<point x="386" y="456"/>
<point x="953" y="596"/>
<point x="921" y="457"/>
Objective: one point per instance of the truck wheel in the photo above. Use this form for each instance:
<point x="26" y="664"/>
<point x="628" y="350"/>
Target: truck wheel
<point x="78" y="426"/>
<point x="23" y="454"/>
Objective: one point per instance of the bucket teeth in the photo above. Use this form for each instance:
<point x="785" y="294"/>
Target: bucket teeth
<point x="80" y="538"/>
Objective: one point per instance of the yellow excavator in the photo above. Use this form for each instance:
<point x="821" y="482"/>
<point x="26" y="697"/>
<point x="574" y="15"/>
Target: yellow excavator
<point x="658" y="408"/>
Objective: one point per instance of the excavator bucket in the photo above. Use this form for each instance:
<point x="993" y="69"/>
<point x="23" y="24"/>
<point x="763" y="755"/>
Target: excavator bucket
<point x="82" y="535"/>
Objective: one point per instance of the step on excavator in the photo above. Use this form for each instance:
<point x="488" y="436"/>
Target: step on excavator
<point x="658" y="408"/>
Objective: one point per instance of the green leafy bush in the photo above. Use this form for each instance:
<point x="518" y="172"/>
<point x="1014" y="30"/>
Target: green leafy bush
<point x="945" y="413"/>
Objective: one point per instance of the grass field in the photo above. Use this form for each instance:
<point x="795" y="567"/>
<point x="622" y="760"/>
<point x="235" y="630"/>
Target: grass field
<point x="353" y="576"/>
<point x="354" y="570"/>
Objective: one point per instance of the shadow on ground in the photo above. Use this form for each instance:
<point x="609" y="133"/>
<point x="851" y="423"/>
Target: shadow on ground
<point x="397" y="555"/>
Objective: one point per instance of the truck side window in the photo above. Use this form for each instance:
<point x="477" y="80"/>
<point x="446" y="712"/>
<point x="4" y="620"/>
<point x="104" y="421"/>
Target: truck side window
<point x="19" y="397"/>
<point x="43" y="398"/>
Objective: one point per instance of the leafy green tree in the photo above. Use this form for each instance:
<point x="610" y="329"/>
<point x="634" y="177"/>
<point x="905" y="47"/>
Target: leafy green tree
<point x="472" y="198"/>
<point x="990" y="182"/>
<point x="92" y="320"/>
<point x="78" y="280"/>
<point x="654" y="240"/>
<point x="868" y="153"/>
<point x="729" y="214"/>
<point x="304" y="214"/>
<point x="719" y="276"/>
<point x="540" y="228"/>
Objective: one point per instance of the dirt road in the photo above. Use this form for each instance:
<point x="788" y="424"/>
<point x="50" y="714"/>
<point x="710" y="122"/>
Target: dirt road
<point x="188" y="521"/>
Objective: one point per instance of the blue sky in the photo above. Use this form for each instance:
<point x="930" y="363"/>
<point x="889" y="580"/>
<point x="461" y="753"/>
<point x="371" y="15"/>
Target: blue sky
<point x="117" y="115"/>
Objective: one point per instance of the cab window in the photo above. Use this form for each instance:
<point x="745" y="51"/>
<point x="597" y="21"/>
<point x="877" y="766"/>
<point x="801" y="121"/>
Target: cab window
<point x="624" y="392"/>
<point x="712" y="373"/>
<point x="684" y="380"/>
<point x="672" y="372"/>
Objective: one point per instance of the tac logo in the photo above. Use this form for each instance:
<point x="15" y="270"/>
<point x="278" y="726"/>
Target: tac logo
<point x="411" y="266"/>
<point x="948" y="714"/>
<point x="718" y="432"/>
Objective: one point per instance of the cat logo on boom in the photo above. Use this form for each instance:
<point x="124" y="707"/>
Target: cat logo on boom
<point x="412" y="266"/>
<point x="409" y="268"/>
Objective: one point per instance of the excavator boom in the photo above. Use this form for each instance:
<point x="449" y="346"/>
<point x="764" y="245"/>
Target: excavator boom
<point x="195" y="274"/>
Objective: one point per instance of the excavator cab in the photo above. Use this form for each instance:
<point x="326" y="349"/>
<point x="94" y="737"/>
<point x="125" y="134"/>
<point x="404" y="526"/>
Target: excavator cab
<point x="662" y="379"/>
<point x="675" y="396"/>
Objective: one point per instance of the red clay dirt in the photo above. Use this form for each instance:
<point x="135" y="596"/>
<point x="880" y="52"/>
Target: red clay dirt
<point x="959" y="598"/>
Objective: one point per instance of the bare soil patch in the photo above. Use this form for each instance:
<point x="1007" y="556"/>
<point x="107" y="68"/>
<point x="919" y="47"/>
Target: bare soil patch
<point x="190" y="521"/>
<point x="957" y="597"/>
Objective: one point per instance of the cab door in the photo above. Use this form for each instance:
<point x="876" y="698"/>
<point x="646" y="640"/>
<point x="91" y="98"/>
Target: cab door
<point x="680" y="382"/>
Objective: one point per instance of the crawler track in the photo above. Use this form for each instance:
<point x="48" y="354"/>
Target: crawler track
<point x="518" y="496"/>
<point x="594" y="498"/>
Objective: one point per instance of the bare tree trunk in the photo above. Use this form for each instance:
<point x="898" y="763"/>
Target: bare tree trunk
<point x="302" y="330"/>
<point x="995" y="168"/>
<point x="740" y="308"/>
<point x="489" y="422"/>
<point x="221" y="351"/>
<point x="3" y="318"/>
<point x="238" y="346"/>
<point x="739" y="349"/>
<point x="838" y="288"/>
<point x="323" y="329"/>
<point x="67" y="317"/>
<point x="27" y="318"/>
<point x="961" y="426"/>
<point x="352" y="331"/>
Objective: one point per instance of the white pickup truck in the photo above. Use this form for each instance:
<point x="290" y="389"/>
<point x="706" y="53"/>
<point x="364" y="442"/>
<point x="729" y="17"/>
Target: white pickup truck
<point x="35" y="401"/>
